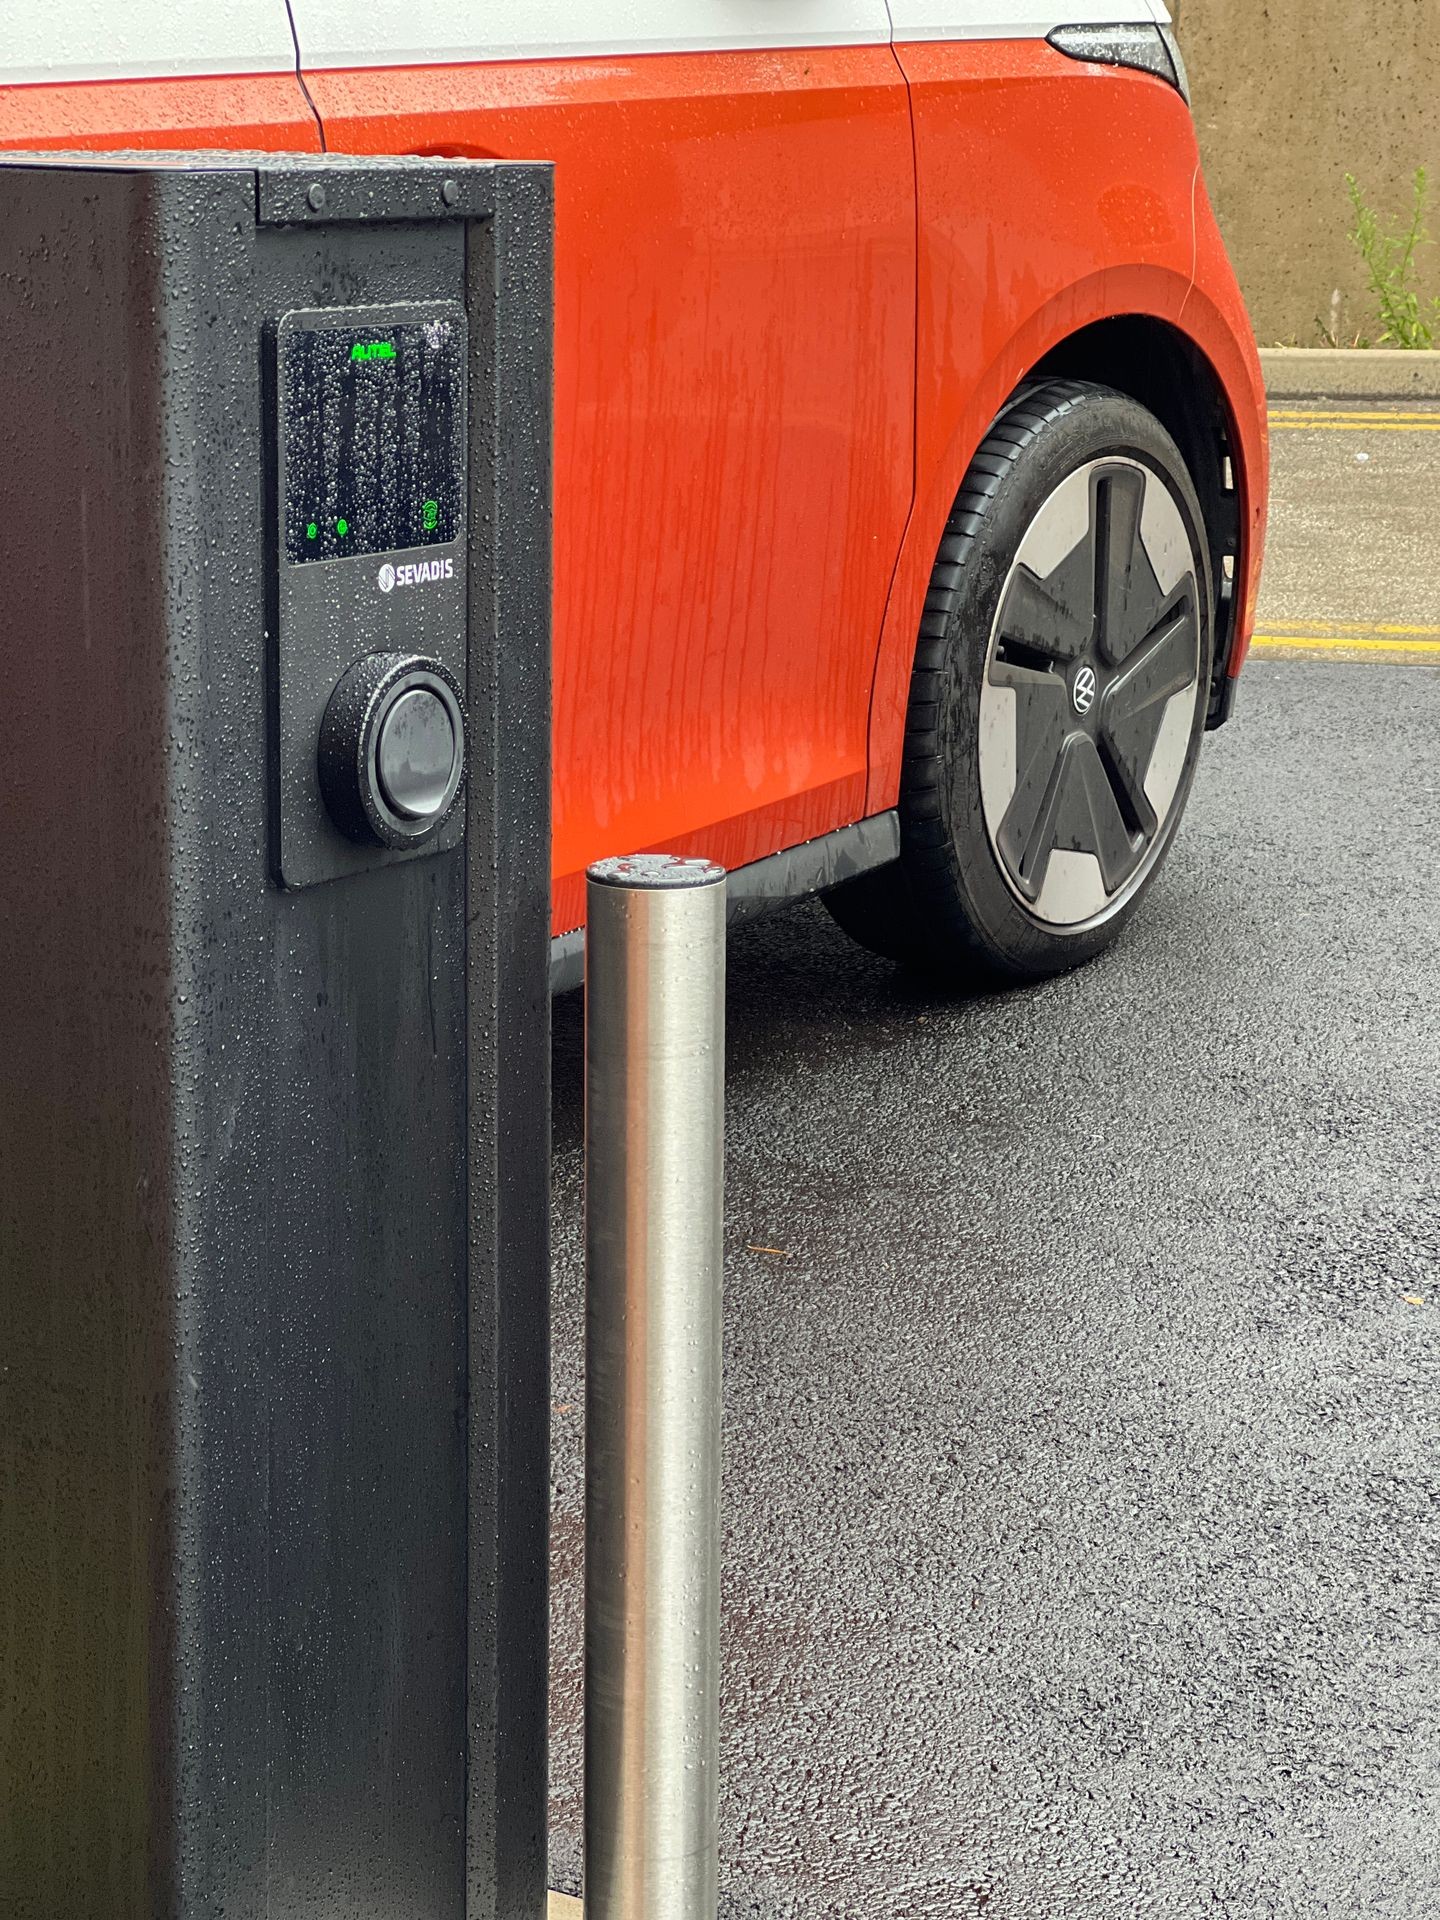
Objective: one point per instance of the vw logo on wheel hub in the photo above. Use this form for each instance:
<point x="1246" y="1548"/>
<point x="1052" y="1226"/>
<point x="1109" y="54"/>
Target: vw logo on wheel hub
<point x="1082" y="690"/>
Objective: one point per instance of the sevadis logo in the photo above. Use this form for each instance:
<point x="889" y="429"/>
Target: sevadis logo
<point x="390" y="577"/>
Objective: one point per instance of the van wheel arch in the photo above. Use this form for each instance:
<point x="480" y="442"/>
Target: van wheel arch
<point x="1156" y="364"/>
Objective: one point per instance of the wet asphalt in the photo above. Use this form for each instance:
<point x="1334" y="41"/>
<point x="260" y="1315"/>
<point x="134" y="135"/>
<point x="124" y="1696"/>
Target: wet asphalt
<point x="1082" y="1446"/>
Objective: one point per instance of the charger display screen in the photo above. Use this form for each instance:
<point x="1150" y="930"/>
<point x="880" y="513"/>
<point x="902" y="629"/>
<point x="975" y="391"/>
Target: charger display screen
<point x="372" y="436"/>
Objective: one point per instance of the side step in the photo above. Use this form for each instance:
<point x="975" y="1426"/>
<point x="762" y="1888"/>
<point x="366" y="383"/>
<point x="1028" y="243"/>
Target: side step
<point x="780" y="879"/>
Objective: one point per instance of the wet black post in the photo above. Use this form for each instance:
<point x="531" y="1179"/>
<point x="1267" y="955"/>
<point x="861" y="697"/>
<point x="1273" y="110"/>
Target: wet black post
<point x="274" y="1135"/>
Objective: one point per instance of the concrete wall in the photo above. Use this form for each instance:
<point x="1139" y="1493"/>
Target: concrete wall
<point x="1290" y="95"/>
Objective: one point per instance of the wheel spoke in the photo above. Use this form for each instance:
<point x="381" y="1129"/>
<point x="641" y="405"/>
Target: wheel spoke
<point x="1127" y="781"/>
<point x="1026" y="832"/>
<point x="1072" y="803"/>
<point x="1163" y="665"/>
<point x="1040" y="622"/>
<point x="1109" y="838"/>
<point x="1021" y="674"/>
<point x="1116" y="547"/>
<point x="1164" y="662"/>
<point x="1033" y="854"/>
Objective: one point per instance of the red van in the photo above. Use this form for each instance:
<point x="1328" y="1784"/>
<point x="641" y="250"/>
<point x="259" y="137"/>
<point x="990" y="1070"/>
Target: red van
<point x="910" y="465"/>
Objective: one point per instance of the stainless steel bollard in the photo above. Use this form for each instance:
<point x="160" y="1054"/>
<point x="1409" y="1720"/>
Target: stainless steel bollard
<point x="654" y="1126"/>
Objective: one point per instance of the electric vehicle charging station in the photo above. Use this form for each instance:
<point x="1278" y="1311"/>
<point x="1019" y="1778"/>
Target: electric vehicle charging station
<point x="274" y="1053"/>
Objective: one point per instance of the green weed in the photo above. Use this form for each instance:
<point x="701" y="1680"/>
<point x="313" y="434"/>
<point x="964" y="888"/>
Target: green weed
<point x="1390" y="254"/>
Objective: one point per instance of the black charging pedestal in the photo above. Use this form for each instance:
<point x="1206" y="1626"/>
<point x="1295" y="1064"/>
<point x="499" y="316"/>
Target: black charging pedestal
<point x="274" y="1109"/>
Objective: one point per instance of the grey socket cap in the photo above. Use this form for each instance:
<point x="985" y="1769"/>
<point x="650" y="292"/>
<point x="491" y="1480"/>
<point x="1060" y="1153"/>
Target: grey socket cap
<point x="651" y="871"/>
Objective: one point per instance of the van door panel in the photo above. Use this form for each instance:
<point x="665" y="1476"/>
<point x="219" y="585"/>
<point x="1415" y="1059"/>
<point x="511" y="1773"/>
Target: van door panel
<point x="735" y="263"/>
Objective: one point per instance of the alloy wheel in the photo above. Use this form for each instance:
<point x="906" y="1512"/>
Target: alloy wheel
<point x="1088" y="703"/>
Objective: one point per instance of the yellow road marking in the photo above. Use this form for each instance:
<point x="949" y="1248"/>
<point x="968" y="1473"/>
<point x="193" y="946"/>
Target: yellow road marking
<point x="1349" y="426"/>
<point x="1342" y="643"/>
<point x="1308" y="414"/>
<point x="1351" y="626"/>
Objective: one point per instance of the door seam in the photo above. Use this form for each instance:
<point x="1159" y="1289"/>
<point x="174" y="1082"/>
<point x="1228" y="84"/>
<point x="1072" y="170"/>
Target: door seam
<point x="870" y="751"/>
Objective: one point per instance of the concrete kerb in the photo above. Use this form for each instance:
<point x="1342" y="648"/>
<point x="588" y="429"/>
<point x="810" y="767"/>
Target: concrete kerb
<point x="562" y="1907"/>
<point x="1360" y="373"/>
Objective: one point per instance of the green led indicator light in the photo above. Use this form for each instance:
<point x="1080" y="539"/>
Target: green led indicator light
<point x="372" y="350"/>
<point x="311" y="531"/>
<point x="430" y="515"/>
<point x="342" y="526"/>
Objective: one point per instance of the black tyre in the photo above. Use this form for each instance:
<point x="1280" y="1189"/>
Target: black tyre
<point x="1058" y="697"/>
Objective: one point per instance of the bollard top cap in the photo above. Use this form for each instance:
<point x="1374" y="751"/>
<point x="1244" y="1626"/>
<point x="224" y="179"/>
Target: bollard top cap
<point x="654" y="870"/>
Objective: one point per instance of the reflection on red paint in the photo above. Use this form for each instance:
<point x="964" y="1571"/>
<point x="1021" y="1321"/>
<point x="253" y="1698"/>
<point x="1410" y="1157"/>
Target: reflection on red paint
<point x="734" y="375"/>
